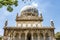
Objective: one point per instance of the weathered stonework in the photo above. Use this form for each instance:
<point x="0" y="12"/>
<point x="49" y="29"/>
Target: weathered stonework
<point x="29" y="27"/>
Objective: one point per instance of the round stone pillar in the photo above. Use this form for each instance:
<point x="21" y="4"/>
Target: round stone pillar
<point x="38" y="36"/>
<point x="44" y="36"/>
<point x="31" y="35"/>
<point x="14" y="35"/>
<point x="25" y="35"/>
<point x="19" y="36"/>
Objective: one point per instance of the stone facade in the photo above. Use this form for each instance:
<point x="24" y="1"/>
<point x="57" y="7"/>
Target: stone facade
<point x="29" y="27"/>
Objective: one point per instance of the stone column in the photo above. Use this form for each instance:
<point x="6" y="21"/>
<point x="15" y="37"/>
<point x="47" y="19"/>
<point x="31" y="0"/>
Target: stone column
<point x="5" y="38"/>
<point x="11" y="35"/>
<point x="52" y="35"/>
<point x="25" y="35"/>
<point x="6" y="35"/>
<point x="9" y="38"/>
<point x="44" y="37"/>
<point x="31" y="35"/>
<point x="14" y="36"/>
<point x="19" y="36"/>
<point x="38" y="36"/>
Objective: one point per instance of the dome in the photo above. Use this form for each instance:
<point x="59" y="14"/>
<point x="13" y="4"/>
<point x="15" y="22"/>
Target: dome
<point x="29" y="10"/>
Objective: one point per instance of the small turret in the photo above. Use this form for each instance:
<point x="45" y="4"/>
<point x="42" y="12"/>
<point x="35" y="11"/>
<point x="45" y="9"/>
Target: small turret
<point x="41" y="15"/>
<point x="51" y="23"/>
<point x="17" y="15"/>
<point x="6" y="23"/>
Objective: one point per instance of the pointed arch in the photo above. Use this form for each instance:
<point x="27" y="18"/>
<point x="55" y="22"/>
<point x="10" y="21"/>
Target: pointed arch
<point x="41" y="36"/>
<point x="47" y="36"/>
<point x="23" y="36"/>
<point x="29" y="36"/>
<point x="35" y="36"/>
<point x="17" y="36"/>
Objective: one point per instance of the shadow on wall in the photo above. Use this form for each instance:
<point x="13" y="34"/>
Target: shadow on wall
<point x="57" y="38"/>
<point x="0" y="38"/>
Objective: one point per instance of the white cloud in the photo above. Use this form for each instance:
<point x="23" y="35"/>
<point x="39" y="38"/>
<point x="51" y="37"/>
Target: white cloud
<point x="34" y="4"/>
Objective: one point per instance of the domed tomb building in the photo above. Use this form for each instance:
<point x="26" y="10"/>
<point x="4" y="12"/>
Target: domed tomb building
<point x="29" y="26"/>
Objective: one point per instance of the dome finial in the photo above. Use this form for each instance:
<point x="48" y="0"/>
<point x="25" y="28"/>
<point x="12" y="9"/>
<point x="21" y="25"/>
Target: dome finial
<point x="52" y="23"/>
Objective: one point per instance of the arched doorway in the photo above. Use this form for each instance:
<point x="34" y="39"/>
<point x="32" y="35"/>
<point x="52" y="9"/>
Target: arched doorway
<point x="17" y="36"/>
<point x="41" y="36"/>
<point x="47" y="36"/>
<point x="35" y="36"/>
<point x="29" y="36"/>
<point x="23" y="36"/>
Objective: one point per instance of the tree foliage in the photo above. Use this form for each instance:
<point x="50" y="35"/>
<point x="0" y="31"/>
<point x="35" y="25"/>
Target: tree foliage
<point x="8" y="4"/>
<point x="57" y="35"/>
<point x="0" y="38"/>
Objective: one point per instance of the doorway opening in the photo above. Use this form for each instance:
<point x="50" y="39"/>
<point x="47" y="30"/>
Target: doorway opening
<point x="28" y="36"/>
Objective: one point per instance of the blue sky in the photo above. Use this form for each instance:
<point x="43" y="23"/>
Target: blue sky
<point x="50" y="10"/>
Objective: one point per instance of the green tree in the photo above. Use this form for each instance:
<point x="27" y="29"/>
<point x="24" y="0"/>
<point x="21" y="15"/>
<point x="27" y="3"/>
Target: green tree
<point x="0" y="38"/>
<point x="57" y="35"/>
<point x="9" y="3"/>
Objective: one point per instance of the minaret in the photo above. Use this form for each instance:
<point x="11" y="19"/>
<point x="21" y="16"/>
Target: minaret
<point x="6" y="23"/>
<point x="41" y="15"/>
<point x="41" y="18"/>
<point x="17" y="15"/>
<point x="51" y="23"/>
<point x="16" y="18"/>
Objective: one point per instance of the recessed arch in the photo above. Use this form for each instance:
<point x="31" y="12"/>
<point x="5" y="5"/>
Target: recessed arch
<point x="47" y="36"/>
<point x="29" y="36"/>
<point x="23" y="36"/>
<point x="41" y="36"/>
<point x="35" y="37"/>
<point x="17" y="36"/>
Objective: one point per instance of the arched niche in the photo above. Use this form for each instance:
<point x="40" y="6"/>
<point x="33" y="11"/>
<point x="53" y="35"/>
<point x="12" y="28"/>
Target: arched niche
<point x="35" y="37"/>
<point x="41" y="36"/>
<point x="29" y="36"/>
<point x="17" y="36"/>
<point x="23" y="36"/>
<point x="47" y="36"/>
